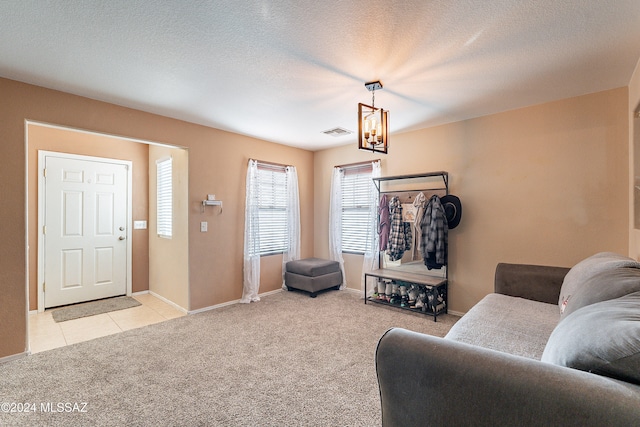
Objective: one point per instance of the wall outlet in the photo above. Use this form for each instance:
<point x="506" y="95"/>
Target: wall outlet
<point x="203" y="226"/>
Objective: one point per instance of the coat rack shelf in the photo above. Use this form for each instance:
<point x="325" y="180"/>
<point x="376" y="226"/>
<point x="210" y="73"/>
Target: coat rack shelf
<point x="421" y="176"/>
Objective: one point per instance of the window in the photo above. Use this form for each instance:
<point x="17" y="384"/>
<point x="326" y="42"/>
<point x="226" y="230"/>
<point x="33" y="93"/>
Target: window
<point x="356" y="208"/>
<point x="272" y="209"/>
<point x="164" y="208"/>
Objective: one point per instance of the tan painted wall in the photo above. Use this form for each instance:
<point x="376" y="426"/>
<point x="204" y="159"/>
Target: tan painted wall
<point x="217" y="164"/>
<point x="68" y="141"/>
<point x="169" y="258"/>
<point x="634" y="163"/>
<point x="546" y="184"/>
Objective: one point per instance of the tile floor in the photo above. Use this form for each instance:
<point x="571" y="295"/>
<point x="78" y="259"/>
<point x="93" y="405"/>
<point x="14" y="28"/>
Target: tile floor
<point x="46" y="334"/>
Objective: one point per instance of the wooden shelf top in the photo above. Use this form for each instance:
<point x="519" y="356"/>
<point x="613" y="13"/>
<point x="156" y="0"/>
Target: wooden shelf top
<point x="420" y="279"/>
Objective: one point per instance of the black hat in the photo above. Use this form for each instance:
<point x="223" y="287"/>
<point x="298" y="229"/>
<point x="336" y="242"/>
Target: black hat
<point x="452" y="209"/>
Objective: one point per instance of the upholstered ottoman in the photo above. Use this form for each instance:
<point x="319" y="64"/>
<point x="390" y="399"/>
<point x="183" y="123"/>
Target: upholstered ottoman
<point x="313" y="275"/>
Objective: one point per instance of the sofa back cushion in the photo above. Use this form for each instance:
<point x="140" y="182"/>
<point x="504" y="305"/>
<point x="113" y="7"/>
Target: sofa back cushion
<point x="585" y="270"/>
<point x="602" y="286"/>
<point x="603" y="338"/>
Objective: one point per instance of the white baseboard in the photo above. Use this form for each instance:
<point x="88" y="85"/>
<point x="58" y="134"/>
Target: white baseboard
<point x="171" y="303"/>
<point x="14" y="357"/>
<point x="228" y="303"/>
<point x="133" y="294"/>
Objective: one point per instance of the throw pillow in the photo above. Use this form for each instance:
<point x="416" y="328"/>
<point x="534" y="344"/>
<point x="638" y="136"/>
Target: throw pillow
<point x="602" y="338"/>
<point x="587" y="268"/>
<point x="602" y="286"/>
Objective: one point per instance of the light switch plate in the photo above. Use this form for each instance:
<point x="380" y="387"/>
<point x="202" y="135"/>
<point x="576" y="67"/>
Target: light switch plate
<point x="139" y="225"/>
<point x="204" y="226"/>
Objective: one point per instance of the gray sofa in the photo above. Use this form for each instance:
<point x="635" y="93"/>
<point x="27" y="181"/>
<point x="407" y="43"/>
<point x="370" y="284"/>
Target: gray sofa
<point x="552" y="346"/>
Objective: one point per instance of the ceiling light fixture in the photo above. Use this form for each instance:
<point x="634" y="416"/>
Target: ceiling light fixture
<point x="373" y="123"/>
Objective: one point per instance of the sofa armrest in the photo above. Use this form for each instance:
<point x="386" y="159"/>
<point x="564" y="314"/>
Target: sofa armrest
<point x="534" y="282"/>
<point x="425" y="380"/>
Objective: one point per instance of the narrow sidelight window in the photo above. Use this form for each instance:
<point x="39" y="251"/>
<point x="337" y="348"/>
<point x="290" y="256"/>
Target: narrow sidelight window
<point x="164" y="208"/>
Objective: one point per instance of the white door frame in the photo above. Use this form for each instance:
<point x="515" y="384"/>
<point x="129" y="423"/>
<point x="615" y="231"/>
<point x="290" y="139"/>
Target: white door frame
<point x="41" y="202"/>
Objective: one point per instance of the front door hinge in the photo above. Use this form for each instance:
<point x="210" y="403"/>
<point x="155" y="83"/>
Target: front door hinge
<point x="44" y="229"/>
<point x="44" y="172"/>
<point x="44" y="286"/>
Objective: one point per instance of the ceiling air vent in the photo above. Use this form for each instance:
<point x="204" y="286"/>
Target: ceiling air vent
<point x="337" y="132"/>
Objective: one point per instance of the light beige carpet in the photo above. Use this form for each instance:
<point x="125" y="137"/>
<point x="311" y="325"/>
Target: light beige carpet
<point x="288" y="360"/>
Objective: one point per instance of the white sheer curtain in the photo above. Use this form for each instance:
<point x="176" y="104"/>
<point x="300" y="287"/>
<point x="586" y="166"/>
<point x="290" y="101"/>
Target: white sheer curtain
<point x="251" y="280"/>
<point x="335" y="221"/>
<point x="371" y="259"/>
<point x="293" y="220"/>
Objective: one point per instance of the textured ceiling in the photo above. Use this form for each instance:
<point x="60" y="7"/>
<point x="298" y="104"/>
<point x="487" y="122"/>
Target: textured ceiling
<point x="287" y="70"/>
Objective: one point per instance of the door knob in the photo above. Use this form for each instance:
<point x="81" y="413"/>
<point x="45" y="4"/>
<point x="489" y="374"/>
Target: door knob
<point x="121" y="228"/>
<point x="121" y="238"/>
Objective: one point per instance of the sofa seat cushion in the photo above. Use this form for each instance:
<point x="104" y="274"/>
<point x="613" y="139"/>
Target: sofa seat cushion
<point x="509" y="324"/>
<point x="313" y="267"/>
<point x="586" y="269"/>
<point x="603" y="338"/>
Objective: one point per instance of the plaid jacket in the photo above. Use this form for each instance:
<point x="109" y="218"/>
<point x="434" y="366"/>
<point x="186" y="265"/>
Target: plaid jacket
<point x="434" y="234"/>
<point x="399" y="232"/>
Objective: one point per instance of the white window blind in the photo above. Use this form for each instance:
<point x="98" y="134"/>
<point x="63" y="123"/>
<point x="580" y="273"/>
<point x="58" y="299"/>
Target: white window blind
<point x="272" y="209"/>
<point x="356" y="204"/>
<point x="164" y="208"/>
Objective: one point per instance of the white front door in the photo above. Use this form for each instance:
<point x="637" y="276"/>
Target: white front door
<point x="85" y="228"/>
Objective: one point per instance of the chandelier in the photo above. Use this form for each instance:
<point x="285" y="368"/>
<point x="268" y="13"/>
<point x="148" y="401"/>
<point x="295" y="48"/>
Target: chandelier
<point x="373" y="123"/>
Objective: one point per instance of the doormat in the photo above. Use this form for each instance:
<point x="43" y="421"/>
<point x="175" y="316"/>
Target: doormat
<point x="92" y="308"/>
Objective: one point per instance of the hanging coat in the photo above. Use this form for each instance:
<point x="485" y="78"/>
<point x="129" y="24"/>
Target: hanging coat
<point x="407" y="236"/>
<point x="383" y="227"/>
<point x="419" y="203"/>
<point x="434" y="234"/>
<point x="400" y="232"/>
